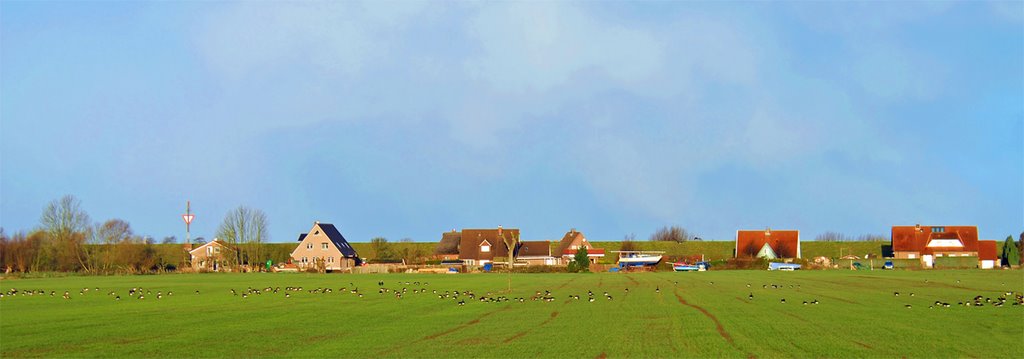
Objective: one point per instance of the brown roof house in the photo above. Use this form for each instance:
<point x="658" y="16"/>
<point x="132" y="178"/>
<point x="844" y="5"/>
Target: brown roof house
<point x="928" y="242"/>
<point x="482" y="246"/>
<point x="209" y="256"/>
<point x="572" y="241"/>
<point x="988" y="255"/>
<point x="324" y="248"/>
<point x="448" y="248"/>
<point x="535" y="253"/>
<point x="768" y="243"/>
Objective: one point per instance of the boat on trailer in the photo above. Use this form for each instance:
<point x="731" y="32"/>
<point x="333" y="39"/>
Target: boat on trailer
<point x="639" y="258"/>
<point x="685" y="267"/>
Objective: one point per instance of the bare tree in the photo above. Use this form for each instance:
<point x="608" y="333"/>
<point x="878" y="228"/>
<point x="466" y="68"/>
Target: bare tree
<point x="244" y="228"/>
<point x="672" y="234"/>
<point x="66" y="225"/>
<point x="629" y="243"/>
<point x="510" y="241"/>
<point x="106" y="236"/>
<point x="831" y="237"/>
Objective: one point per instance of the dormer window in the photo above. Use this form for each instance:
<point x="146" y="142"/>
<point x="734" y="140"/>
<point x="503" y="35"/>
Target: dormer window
<point x="485" y="247"/>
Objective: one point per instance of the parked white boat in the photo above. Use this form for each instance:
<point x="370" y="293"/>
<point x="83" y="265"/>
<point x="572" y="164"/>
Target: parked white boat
<point x="639" y="258"/>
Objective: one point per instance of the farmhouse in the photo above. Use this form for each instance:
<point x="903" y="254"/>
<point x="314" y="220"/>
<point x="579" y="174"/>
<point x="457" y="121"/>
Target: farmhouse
<point x="448" y="248"/>
<point x="928" y="242"/>
<point x="208" y="256"/>
<point x="482" y="246"/>
<point x="535" y="253"/>
<point x="768" y="243"/>
<point x="323" y="247"/>
<point x="572" y="241"/>
<point x="988" y="255"/>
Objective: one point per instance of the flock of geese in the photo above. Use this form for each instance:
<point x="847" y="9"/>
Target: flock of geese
<point x="460" y="297"/>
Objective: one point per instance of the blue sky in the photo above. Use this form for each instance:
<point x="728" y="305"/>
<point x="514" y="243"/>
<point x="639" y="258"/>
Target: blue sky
<point x="407" y="119"/>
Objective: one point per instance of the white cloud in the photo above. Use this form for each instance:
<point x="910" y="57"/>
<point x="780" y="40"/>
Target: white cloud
<point x="338" y="38"/>
<point x="535" y="47"/>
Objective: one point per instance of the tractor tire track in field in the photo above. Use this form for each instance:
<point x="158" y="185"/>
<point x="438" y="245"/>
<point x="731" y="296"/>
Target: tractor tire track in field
<point x="631" y="279"/>
<point x="430" y="337"/>
<point x="522" y="333"/>
<point x="718" y="325"/>
<point x="566" y="283"/>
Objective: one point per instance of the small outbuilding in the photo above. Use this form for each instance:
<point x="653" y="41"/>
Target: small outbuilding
<point x="988" y="255"/>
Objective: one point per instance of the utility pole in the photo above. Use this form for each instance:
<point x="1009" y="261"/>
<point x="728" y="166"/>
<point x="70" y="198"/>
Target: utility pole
<point x="188" y="217"/>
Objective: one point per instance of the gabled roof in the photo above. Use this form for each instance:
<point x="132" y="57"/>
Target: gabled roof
<point x="572" y="237"/>
<point x="785" y="243"/>
<point x="534" y="249"/>
<point x="987" y="250"/>
<point x="302" y="236"/>
<point x="917" y="238"/>
<point x="469" y="243"/>
<point x="449" y="243"/>
<point x="210" y="243"/>
<point x="339" y="241"/>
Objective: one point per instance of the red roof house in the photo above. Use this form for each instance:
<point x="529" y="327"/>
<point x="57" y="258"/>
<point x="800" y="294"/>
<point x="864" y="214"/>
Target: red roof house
<point x="934" y="241"/>
<point x="572" y="241"/>
<point x="768" y="243"/>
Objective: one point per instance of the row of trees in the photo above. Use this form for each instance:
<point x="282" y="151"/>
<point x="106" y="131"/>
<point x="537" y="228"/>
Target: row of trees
<point x="67" y="240"/>
<point x="384" y="251"/>
<point x="839" y="237"/>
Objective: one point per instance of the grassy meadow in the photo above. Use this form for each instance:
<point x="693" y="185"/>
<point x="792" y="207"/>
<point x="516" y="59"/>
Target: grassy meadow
<point x="664" y="314"/>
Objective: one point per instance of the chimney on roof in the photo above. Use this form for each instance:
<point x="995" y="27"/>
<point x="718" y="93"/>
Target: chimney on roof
<point x="499" y="229"/>
<point x="572" y="230"/>
<point x="768" y="231"/>
<point x="316" y="222"/>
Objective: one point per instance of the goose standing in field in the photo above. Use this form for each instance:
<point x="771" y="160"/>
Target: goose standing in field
<point x="751" y="296"/>
<point x="783" y="301"/>
<point x="117" y="298"/>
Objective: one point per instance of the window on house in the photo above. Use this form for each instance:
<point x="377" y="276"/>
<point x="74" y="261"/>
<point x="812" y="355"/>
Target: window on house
<point x="209" y="250"/>
<point x="330" y="259"/>
<point x="485" y="248"/>
<point x="317" y="232"/>
<point x="309" y="245"/>
<point x="323" y="246"/>
<point x="305" y="260"/>
<point x="216" y="250"/>
<point x="938" y="229"/>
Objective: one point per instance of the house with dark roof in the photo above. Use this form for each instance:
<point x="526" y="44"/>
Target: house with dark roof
<point x="448" y="247"/>
<point x="768" y="243"/>
<point x="535" y="253"/>
<point x="928" y="242"/>
<point x="988" y="255"/>
<point x="571" y="242"/>
<point x="323" y="247"/>
<point x="482" y="246"/>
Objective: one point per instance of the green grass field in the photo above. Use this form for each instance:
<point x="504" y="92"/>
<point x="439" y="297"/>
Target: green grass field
<point x="705" y="314"/>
